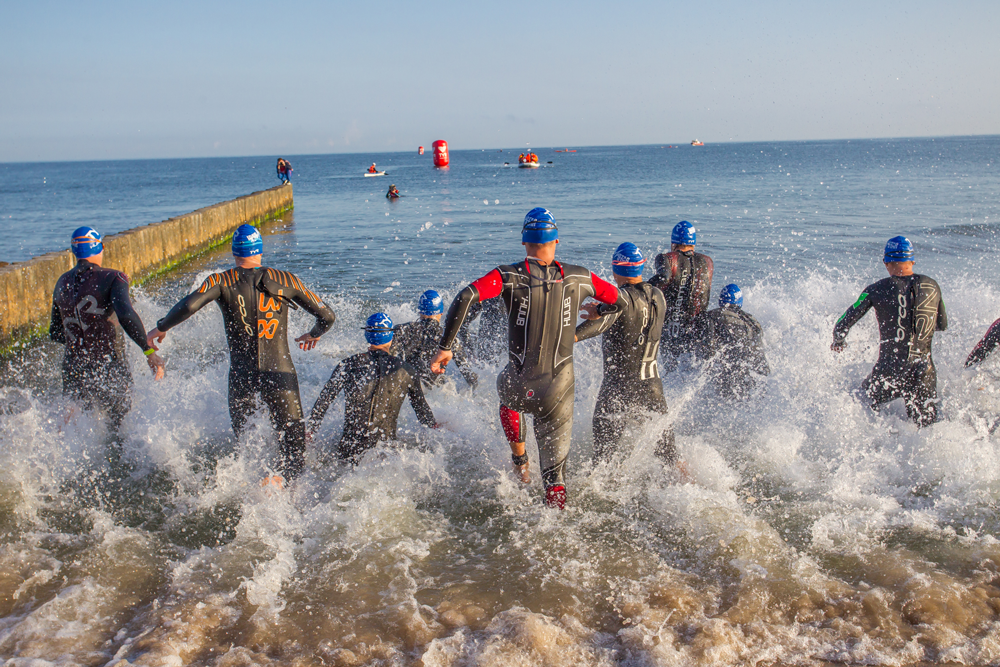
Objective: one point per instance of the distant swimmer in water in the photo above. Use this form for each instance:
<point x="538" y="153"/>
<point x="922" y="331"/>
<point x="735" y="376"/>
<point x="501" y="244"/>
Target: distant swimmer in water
<point x="372" y="169"/>
<point x="284" y="171"/>
<point x="375" y="384"/>
<point x="632" y="390"/>
<point x="255" y="301"/>
<point x="909" y="309"/>
<point x="733" y="341"/>
<point x="393" y="192"/>
<point x="685" y="277"/>
<point x="542" y="298"/>
<point x="90" y="307"/>
<point x="417" y="342"/>
<point x="985" y="346"/>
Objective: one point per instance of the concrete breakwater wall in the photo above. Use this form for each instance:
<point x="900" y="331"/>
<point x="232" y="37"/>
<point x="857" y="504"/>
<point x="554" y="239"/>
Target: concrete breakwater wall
<point x="26" y="287"/>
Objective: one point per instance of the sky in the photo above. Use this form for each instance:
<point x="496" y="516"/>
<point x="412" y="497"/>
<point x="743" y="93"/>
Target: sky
<point x="143" y="79"/>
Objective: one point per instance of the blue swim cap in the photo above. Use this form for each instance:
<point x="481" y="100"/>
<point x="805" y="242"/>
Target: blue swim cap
<point x="683" y="233"/>
<point x="627" y="261"/>
<point x="430" y="303"/>
<point x="731" y="295"/>
<point x="378" y="329"/>
<point x="539" y="227"/>
<point x="86" y="242"/>
<point x="898" y="249"/>
<point x="247" y="241"/>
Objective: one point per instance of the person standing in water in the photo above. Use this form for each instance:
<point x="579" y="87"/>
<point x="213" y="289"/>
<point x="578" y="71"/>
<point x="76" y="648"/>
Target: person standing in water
<point x="255" y="301"/>
<point x="909" y="309"/>
<point x="417" y="342"/>
<point x="734" y="342"/>
<point x="375" y="384"/>
<point x="632" y="388"/>
<point x="393" y="192"/>
<point x="87" y="304"/>
<point x="685" y="277"/>
<point x="542" y="297"/>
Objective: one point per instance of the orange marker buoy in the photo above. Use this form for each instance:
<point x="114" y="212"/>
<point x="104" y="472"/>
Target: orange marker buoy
<point x="440" y="153"/>
<point x="420" y="151"/>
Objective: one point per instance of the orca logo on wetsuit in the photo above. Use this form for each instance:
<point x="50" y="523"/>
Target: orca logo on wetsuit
<point x="901" y="333"/>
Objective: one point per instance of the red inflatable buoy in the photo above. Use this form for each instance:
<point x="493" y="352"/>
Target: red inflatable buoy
<point x="420" y="151"/>
<point x="440" y="153"/>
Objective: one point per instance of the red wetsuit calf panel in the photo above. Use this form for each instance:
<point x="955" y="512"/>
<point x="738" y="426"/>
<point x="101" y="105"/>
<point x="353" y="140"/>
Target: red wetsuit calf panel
<point x="513" y="425"/>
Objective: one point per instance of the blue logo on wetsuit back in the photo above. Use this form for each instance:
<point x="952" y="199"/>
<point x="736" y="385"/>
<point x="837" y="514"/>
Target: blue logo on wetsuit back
<point x="86" y="242"/>
<point x="627" y="261"/>
<point x="378" y="329"/>
<point x="539" y="226"/>
<point x="247" y="241"/>
<point x="430" y="303"/>
<point x="898" y="249"/>
<point x="683" y="233"/>
<point x="731" y="295"/>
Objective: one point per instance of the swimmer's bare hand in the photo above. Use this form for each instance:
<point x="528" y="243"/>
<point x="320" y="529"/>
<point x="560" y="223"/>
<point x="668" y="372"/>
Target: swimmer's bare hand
<point x="306" y="342"/>
<point x="684" y="473"/>
<point x="157" y="365"/>
<point x="155" y="336"/>
<point x="441" y="361"/>
<point x="591" y="311"/>
<point x="838" y="346"/>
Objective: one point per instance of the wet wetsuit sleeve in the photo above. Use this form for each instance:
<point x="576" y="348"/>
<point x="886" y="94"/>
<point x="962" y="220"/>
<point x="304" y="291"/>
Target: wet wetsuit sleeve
<point x="758" y="362"/>
<point x="852" y="315"/>
<point x="591" y="328"/>
<point x="605" y="292"/>
<point x="488" y="287"/>
<point x="419" y="403"/>
<point x="209" y="291"/>
<point x="942" y="317"/>
<point x="57" y="333"/>
<point x="326" y="397"/>
<point x="127" y="317"/>
<point x="985" y="346"/>
<point x="313" y="305"/>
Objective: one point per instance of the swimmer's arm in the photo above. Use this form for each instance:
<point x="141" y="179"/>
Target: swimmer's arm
<point x="942" y="317"/>
<point x="985" y="346"/>
<point x="420" y="405"/>
<point x="591" y="328"/>
<point x="209" y="291"/>
<point x="326" y="397"/>
<point x="315" y="306"/>
<point x="127" y="317"/>
<point x="850" y="318"/>
<point x="57" y="333"/>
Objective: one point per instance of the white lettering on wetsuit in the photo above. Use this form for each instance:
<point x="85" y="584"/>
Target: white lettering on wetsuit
<point x="522" y="313"/>
<point x="901" y="334"/>
<point x="567" y="311"/>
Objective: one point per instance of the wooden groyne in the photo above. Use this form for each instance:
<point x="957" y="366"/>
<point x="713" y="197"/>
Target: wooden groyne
<point x="26" y="287"/>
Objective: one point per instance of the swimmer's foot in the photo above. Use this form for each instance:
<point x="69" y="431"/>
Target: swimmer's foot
<point x="273" y="483"/>
<point x="555" y="496"/>
<point x="521" y="471"/>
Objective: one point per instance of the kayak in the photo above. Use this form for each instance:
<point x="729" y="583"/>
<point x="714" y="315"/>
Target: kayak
<point x="377" y="173"/>
<point x="528" y="165"/>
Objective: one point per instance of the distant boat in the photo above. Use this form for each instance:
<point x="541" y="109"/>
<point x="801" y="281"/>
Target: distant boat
<point x="566" y="150"/>
<point x="697" y="143"/>
<point x="377" y="173"/>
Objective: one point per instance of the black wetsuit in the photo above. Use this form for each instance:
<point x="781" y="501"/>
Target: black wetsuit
<point x="734" y="341"/>
<point x="255" y="304"/>
<point x="375" y="384"/>
<point x="542" y="304"/>
<point x="87" y="303"/>
<point x="686" y="281"/>
<point x="985" y="346"/>
<point x="909" y="310"/>
<point x="632" y="384"/>
<point x="417" y="343"/>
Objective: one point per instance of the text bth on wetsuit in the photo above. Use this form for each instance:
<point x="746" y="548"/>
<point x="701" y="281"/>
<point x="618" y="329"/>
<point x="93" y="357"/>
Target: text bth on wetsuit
<point x="255" y="304"/>
<point x="909" y="309"/>
<point x="541" y="304"/>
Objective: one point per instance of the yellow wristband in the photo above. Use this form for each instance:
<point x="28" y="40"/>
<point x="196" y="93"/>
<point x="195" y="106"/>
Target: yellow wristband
<point x="149" y="352"/>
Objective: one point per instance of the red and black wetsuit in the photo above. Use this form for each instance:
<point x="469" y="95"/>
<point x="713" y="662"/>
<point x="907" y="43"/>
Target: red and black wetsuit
<point x="734" y="341"/>
<point x="632" y="386"/>
<point x="375" y="384"/>
<point x="909" y="309"/>
<point x="417" y="343"/>
<point x="255" y="304"/>
<point x="541" y="304"/>
<point x="87" y="303"/>
<point x="985" y="346"/>
<point x="686" y="281"/>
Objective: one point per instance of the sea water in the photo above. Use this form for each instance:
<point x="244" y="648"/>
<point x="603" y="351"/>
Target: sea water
<point x="811" y="529"/>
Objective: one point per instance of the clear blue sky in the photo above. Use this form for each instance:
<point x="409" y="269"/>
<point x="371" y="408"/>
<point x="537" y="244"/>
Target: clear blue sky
<point x="144" y="79"/>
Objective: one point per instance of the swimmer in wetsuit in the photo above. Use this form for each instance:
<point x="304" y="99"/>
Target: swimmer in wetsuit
<point x="255" y="301"/>
<point x="733" y="341"/>
<point x="632" y="387"/>
<point x="541" y="297"/>
<point x="985" y="346"/>
<point x="685" y="277"/>
<point x="393" y="192"/>
<point x="909" y="309"/>
<point x="417" y="342"/>
<point x="375" y="384"/>
<point x="87" y="303"/>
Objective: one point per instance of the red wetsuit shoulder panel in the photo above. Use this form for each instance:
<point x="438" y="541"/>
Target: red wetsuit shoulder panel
<point x="489" y="286"/>
<point x="604" y="291"/>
